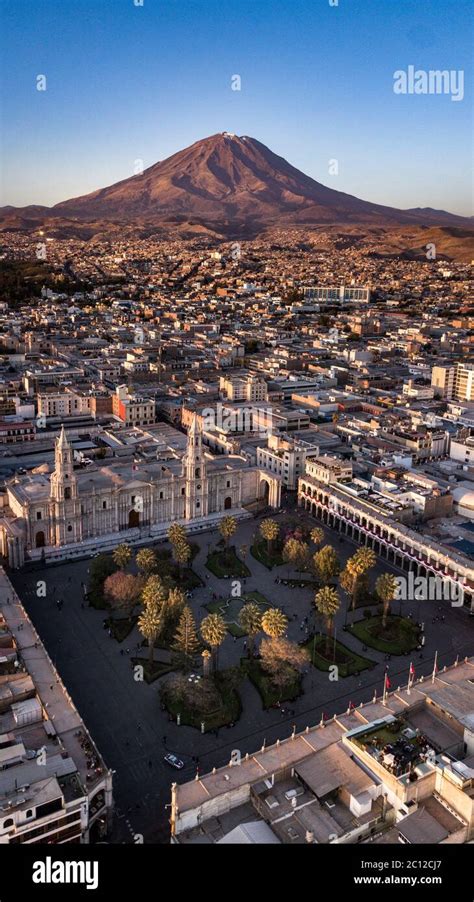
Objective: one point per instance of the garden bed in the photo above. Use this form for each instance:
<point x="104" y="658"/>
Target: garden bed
<point x="226" y="564"/>
<point x="260" y="552"/>
<point x="152" y="671"/>
<point x="400" y="636"/>
<point x="347" y="661"/>
<point x="229" y="608"/>
<point x="269" y="693"/>
<point x="122" y="627"/>
<point x="213" y="701"/>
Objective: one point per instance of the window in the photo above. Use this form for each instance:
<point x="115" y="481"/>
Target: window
<point x="8" y="823"/>
<point x="161" y="496"/>
<point x="29" y="813"/>
<point x="69" y="529"/>
<point x="38" y="515"/>
<point x="67" y="493"/>
<point x="104" y="505"/>
<point x="198" y="504"/>
<point x="182" y="491"/>
<point x="228" y="484"/>
<point x="197" y="473"/>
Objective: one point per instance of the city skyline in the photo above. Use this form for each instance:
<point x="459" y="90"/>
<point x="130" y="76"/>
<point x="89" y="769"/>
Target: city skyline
<point x="306" y="82"/>
<point x="236" y="435"/>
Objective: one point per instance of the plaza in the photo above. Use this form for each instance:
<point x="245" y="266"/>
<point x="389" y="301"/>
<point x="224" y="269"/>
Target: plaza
<point x="124" y="716"/>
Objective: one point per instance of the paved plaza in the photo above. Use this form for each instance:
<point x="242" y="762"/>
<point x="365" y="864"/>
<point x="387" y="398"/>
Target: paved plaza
<point x="124" y="716"/>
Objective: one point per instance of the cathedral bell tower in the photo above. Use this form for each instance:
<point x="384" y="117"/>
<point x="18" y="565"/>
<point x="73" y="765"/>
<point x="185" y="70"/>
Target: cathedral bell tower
<point x="64" y="503"/>
<point x="195" y="471"/>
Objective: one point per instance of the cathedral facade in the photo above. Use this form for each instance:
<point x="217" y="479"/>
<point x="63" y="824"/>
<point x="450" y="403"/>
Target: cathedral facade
<point x="74" y="513"/>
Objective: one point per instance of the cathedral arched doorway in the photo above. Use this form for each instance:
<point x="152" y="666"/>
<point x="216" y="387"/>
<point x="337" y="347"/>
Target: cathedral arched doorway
<point x="228" y="503"/>
<point x="133" y="519"/>
<point x="264" y="491"/>
<point x="40" y="542"/>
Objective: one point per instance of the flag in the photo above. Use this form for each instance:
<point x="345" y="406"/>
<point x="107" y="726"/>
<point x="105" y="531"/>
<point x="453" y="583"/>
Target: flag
<point x="386" y="687"/>
<point x="411" y="677"/>
<point x="435" y="667"/>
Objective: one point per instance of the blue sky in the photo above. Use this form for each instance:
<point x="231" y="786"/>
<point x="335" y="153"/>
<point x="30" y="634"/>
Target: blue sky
<point x="128" y="82"/>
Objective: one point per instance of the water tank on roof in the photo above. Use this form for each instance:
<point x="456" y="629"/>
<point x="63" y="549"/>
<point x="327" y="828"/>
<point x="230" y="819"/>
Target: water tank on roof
<point x="26" y="712"/>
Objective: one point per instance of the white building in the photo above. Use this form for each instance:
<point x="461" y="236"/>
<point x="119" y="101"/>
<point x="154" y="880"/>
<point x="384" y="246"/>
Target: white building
<point x="285" y="458"/>
<point x="54" y="786"/>
<point x="73" y="513"/>
<point x="249" y="388"/>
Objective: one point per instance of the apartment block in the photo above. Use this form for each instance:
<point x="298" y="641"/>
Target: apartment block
<point x="54" y="785"/>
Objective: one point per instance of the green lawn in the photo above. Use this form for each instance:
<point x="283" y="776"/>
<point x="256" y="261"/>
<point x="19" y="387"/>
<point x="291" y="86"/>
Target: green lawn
<point x="230" y="607"/>
<point x="347" y="661"/>
<point x="269" y="694"/>
<point x="224" y="563"/>
<point x="96" y="599"/>
<point x="259" y="551"/>
<point x="367" y="600"/>
<point x="151" y="671"/>
<point x="399" y="637"/>
<point x="188" y="579"/>
<point x="258" y="598"/>
<point x="122" y="627"/>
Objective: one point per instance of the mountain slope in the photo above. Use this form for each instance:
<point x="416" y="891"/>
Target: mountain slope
<point x="228" y="184"/>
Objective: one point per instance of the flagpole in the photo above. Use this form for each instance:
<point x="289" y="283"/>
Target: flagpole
<point x="384" y="696"/>
<point x="435" y="667"/>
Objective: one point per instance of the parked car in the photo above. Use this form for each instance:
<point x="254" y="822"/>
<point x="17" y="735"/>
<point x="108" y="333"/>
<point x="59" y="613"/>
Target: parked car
<point x="173" y="761"/>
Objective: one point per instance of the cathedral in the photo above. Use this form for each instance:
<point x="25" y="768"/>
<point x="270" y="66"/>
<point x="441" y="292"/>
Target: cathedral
<point x="75" y="513"/>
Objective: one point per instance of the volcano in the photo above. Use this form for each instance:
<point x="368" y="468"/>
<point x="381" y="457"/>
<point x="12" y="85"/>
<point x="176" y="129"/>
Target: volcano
<point x="227" y="184"/>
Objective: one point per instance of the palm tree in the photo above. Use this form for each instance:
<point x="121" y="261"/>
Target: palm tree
<point x="213" y="631"/>
<point x="269" y="531"/>
<point x="363" y="560"/>
<point x="182" y="553"/>
<point x="274" y="623"/>
<point x="149" y="624"/>
<point x="122" y="555"/>
<point x="317" y="535"/>
<point x="358" y="566"/>
<point x="348" y="582"/>
<point x="250" y="619"/>
<point x="327" y="604"/>
<point x="227" y="528"/>
<point x="176" y="533"/>
<point x="326" y="564"/>
<point x="386" y="587"/>
<point x="154" y="591"/>
<point x="146" y="561"/>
